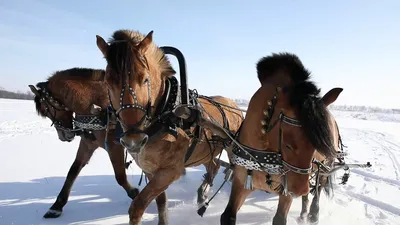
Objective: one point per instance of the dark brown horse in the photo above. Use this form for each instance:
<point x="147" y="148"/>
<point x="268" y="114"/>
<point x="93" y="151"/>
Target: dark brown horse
<point x="75" y="91"/>
<point x="288" y="134"/>
<point x="137" y="75"/>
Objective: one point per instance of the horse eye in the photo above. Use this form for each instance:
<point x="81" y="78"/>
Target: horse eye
<point x="146" y="80"/>
<point x="289" y="147"/>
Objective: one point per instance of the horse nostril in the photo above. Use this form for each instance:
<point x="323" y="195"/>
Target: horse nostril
<point x="123" y="143"/>
<point x="144" y="141"/>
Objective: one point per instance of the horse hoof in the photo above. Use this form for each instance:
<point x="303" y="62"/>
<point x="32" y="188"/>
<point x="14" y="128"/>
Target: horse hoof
<point x="52" y="213"/>
<point x="300" y="220"/>
<point x="313" y="220"/>
<point x="133" y="193"/>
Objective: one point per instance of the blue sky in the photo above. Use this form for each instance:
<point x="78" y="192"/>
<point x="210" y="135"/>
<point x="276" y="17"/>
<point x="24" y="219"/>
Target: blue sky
<point x="350" y="44"/>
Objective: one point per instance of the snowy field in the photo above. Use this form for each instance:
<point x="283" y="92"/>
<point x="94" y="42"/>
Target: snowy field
<point x="34" y="163"/>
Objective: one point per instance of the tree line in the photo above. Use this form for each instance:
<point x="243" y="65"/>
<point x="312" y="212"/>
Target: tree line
<point x="16" y="95"/>
<point x="241" y="102"/>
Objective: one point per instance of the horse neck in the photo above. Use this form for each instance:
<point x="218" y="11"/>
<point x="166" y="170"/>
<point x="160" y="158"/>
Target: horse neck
<point x="157" y="81"/>
<point x="67" y="96"/>
<point x="250" y="133"/>
<point x="160" y="91"/>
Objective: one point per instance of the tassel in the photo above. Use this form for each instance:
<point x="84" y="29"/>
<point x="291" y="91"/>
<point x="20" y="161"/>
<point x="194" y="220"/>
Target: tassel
<point x="106" y="145"/>
<point x="249" y="181"/>
<point x="284" y="183"/>
<point x="106" y="137"/>
<point x="202" y="210"/>
<point x="345" y="177"/>
<point x="127" y="164"/>
<point x="269" y="180"/>
<point x="141" y="178"/>
<point x="228" y="174"/>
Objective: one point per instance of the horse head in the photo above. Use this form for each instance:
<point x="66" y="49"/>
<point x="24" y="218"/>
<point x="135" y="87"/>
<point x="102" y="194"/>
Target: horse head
<point x="58" y="113"/>
<point x="135" y="74"/>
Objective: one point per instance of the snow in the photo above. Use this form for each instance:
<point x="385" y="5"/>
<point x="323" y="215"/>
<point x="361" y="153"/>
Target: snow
<point x="34" y="163"/>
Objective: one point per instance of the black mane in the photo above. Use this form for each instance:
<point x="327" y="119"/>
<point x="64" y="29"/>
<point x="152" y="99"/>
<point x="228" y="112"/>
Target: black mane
<point x="305" y="96"/>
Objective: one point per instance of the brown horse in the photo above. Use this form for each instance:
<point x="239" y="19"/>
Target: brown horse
<point x="287" y="135"/>
<point x="75" y="91"/>
<point x="137" y="75"/>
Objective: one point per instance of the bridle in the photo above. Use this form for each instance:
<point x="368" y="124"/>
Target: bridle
<point x="80" y="122"/>
<point x="271" y="162"/>
<point x="49" y="102"/>
<point x="282" y="118"/>
<point x="147" y="112"/>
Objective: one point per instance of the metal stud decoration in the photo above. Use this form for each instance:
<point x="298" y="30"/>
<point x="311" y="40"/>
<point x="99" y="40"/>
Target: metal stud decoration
<point x="268" y="112"/>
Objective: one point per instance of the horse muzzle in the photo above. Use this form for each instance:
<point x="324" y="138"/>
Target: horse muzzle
<point x="65" y="136"/>
<point x="134" y="142"/>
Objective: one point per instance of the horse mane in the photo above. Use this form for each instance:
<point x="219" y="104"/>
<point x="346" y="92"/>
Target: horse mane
<point x="74" y="86"/>
<point x="123" y="50"/>
<point x="304" y="96"/>
<point x="87" y="74"/>
<point x="38" y="105"/>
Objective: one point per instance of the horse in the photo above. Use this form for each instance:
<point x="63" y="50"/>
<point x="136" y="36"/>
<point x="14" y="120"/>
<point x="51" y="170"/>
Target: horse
<point x="287" y="135"/>
<point x="72" y="91"/>
<point x="137" y="76"/>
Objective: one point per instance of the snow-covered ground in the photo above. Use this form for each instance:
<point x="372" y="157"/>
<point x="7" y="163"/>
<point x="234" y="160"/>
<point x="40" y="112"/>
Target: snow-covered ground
<point x="34" y="163"/>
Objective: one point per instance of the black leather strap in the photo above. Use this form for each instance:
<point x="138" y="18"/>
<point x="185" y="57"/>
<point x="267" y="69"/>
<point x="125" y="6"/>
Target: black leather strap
<point x="264" y="157"/>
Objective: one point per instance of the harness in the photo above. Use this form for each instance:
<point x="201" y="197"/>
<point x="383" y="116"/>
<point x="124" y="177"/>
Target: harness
<point x="164" y="120"/>
<point x="272" y="162"/>
<point x="215" y="140"/>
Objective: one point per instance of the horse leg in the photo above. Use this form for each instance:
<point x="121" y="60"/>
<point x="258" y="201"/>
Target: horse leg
<point x="313" y="216"/>
<point x="284" y="204"/>
<point x="212" y="170"/>
<point x="304" y="208"/>
<point x="156" y="186"/>
<point x="116" y="154"/>
<point x="85" y="152"/>
<point x="236" y="199"/>
<point x="162" y="206"/>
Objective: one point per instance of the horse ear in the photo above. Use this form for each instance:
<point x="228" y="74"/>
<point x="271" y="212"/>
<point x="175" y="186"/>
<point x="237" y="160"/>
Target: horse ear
<point x="145" y="43"/>
<point x="331" y="96"/>
<point x="102" y="45"/>
<point x="95" y="109"/>
<point x="34" y="90"/>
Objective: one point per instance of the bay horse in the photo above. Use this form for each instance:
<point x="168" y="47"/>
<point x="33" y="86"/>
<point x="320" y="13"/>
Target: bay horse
<point x="287" y="135"/>
<point x="72" y="91"/>
<point x="138" y="75"/>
